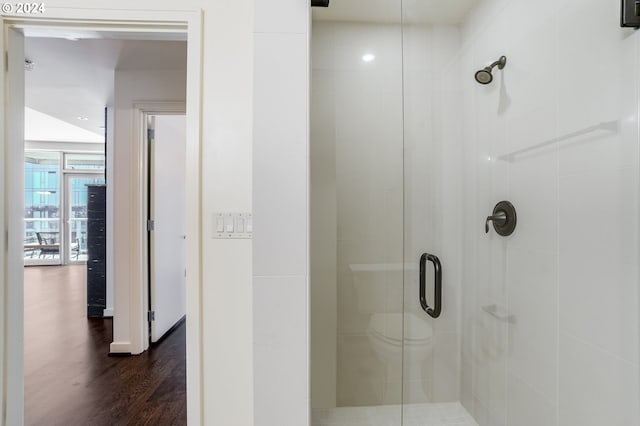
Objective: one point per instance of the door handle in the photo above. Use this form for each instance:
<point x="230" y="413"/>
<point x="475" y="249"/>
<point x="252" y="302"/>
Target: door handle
<point x="434" y="311"/>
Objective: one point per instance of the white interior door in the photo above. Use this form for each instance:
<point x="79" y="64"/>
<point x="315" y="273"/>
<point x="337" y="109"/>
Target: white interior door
<point x="167" y="248"/>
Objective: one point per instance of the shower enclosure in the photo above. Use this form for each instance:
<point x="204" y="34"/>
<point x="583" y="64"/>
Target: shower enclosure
<point x="413" y="149"/>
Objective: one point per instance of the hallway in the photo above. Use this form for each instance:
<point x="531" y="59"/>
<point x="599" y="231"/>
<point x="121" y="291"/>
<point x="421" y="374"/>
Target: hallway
<point x="70" y="380"/>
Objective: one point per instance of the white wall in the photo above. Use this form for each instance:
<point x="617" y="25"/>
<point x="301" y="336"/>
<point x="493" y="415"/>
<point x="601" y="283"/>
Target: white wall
<point x="226" y="186"/>
<point x="280" y="199"/>
<point x="568" y="276"/>
<point x="131" y="87"/>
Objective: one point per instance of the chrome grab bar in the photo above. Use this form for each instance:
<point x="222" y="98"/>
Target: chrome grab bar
<point x="437" y="308"/>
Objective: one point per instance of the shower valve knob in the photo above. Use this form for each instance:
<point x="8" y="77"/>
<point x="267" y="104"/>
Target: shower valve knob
<point x="503" y="218"/>
<point x="499" y="219"/>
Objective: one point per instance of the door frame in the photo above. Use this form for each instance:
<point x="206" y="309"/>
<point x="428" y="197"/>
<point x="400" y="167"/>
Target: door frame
<point x="141" y="112"/>
<point x="163" y="19"/>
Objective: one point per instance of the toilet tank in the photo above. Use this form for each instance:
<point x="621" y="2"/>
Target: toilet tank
<point x="378" y="287"/>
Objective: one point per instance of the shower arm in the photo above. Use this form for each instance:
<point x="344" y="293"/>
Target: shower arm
<point x="500" y="63"/>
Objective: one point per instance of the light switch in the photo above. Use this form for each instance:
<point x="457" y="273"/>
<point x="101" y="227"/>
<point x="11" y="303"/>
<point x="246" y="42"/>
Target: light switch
<point x="232" y="225"/>
<point x="228" y="226"/>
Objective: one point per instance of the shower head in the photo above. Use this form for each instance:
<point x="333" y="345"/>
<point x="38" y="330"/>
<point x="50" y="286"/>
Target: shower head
<point x="484" y="76"/>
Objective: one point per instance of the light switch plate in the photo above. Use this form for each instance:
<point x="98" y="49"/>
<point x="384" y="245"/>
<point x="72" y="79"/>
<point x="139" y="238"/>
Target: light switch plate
<point x="231" y="228"/>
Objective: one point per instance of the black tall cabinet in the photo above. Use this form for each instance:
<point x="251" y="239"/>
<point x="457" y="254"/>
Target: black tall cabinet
<point x="97" y="250"/>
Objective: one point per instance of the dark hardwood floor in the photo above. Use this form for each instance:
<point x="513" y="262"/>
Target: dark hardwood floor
<point x="70" y="380"/>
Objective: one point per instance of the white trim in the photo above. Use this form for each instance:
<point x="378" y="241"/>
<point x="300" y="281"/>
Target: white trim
<point x="71" y="147"/>
<point x="190" y="21"/>
<point x="308" y="212"/>
<point x="109" y="178"/>
<point x="120" y="347"/>
<point x="108" y="313"/>
<point x="4" y="226"/>
<point x="13" y="140"/>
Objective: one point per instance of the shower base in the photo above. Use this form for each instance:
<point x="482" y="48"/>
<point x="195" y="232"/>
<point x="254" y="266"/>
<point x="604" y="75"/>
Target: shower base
<point x="432" y="414"/>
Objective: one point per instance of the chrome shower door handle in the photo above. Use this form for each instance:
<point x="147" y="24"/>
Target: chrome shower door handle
<point x="434" y="311"/>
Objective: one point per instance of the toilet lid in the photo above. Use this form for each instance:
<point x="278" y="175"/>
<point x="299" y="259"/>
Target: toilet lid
<point x="389" y="327"/>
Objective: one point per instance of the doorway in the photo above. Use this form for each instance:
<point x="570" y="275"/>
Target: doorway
<point x="81" y="214"/>
<point x="189" y="23"/>
<point x="167" y="227"/>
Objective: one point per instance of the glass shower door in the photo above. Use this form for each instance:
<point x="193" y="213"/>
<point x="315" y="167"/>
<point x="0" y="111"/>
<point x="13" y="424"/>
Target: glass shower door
<point x="356" y="161"/>
<point x="432" y="215"/>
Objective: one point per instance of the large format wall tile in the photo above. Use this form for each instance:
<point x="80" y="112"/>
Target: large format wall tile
<point x="280" y="155"/>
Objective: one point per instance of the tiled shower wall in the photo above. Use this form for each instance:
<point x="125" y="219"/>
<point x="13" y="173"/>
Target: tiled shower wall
<point x="557" y="135"/>
<point x="280" y="244"/>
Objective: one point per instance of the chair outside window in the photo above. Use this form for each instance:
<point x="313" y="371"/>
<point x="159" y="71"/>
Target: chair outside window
<point x="48" y="244"/>
<point x="79" y="246"/>
<point x="31" y="245"/>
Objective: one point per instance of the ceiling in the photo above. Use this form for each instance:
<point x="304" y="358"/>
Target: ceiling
<point x="445" y="12"/>
<point x="73" y="77"/>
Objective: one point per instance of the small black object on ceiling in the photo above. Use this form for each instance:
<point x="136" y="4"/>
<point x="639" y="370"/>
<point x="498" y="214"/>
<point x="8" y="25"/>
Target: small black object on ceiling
<point x="319" y="3"/>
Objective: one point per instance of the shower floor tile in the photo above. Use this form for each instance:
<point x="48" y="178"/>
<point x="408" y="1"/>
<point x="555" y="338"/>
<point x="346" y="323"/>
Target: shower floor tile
<point x="440" y="414"/>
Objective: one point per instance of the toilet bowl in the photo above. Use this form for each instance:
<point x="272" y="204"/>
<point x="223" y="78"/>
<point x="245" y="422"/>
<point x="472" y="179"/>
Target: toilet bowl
<point x="389" y="330"/>
<point x="385" y="332"/>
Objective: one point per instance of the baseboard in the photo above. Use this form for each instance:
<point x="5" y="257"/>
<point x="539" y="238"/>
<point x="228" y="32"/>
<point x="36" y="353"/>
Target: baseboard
<point x="119" y="354"/>
<point x="108" y="313"/>
<point x="171" y="330"/>
<point x="120" y="348"/>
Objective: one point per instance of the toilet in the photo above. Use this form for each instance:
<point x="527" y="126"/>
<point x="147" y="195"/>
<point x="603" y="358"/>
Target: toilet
<point x="386" y="326"/>
<point x="385" y="331"/>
